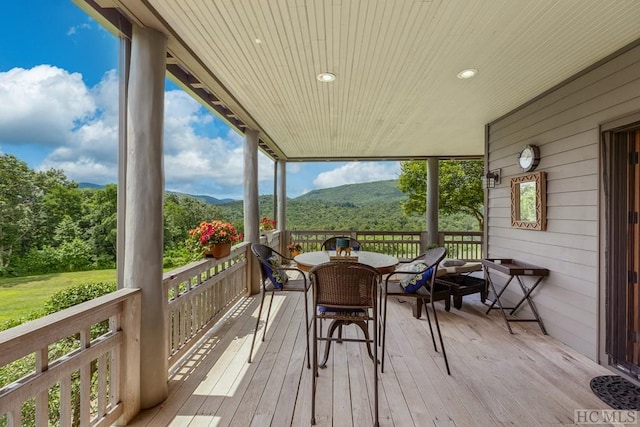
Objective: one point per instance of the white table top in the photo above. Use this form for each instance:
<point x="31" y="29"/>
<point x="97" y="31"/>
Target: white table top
<point x="383" y="263"/>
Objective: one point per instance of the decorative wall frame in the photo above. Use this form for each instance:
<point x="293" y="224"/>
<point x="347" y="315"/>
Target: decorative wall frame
<point x="529" y="201"/>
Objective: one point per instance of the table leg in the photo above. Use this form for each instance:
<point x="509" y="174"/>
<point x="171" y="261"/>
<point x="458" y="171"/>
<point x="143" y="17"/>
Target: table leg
<point x="417" y="309"/>
<point x="497" y="299"/>
<point x="527" y="297"/>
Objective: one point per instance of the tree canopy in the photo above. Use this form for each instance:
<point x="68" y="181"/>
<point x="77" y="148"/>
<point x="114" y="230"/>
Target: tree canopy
<point x="460" y="187"/>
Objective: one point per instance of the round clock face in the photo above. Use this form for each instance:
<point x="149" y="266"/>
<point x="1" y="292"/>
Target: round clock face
<point x="529" y="157"/>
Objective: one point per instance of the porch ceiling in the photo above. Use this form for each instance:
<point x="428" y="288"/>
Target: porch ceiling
<point x="396" y="94"/>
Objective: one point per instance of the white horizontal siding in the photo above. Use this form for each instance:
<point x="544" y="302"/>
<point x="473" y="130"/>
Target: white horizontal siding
<point x="565" y="125"/>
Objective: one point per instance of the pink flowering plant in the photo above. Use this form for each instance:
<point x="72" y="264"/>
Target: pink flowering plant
<point x="211" y="233"/>
<point x="267" y="224"/>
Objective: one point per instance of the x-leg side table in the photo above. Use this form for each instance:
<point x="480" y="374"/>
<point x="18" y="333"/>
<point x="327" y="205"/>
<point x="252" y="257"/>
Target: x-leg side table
<point x="515" y="269"/>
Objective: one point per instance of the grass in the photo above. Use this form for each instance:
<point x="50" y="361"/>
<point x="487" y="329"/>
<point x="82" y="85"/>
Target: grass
<point x="23" y="295"/>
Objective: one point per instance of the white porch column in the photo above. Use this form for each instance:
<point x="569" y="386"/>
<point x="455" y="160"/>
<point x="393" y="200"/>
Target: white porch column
<point x="281" y="214"/>
<point x="144" y="193"/>
<point x="251" y="211"/>
<point x="432" y="200"/>
<point x="124" y="64"/>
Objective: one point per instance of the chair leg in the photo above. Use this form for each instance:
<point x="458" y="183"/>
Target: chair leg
<point x="314" y="374"/>
<point x="383" y="327"/>
<point x="306" y="325"/>
<point x="255" y="332"/>
<point x="444" y="352"/>
<point x="433" y="337"/>
<point x="266" y="322"/>
<point x="375" y="367"/>
<point x="327" y="347"/>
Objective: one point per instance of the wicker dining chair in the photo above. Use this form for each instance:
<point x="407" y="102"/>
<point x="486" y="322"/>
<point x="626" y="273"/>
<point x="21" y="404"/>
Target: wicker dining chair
<point x="274" y="279"/>
<point x="330" y="243"/>
<point x="345" y="293"/>
<point x="415" y="280"/>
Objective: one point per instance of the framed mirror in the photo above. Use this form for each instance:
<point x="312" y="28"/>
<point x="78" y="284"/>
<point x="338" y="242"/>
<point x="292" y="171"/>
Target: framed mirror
<point x="529" y="201"/>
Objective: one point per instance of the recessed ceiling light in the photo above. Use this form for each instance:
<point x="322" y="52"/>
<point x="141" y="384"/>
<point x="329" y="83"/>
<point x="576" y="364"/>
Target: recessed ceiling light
<point x="326" y="77"/>
<point x="468" y="73"/>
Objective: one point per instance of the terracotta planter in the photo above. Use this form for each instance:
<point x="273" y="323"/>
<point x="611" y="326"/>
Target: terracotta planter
<point x="219" y="250"/>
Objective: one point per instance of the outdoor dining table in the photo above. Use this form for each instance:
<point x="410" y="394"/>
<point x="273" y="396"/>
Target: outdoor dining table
<point x="385" y="264"/>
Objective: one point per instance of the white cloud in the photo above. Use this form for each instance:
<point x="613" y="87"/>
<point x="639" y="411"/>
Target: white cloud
<point x="356" y="172"/>
<point x="75" y="29"/>
<point x="52" y="108"/>
<point x="42" y="105"/>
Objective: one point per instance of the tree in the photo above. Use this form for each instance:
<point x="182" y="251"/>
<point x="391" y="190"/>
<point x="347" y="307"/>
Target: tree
<point x="460" y="187"/>
<point x="101" y="218"/>
<point x="18" y="192"/>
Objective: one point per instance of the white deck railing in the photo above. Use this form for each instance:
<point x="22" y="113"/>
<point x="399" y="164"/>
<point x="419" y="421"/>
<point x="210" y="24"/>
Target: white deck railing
<point x="99" y="372"/>
<point x="465" y="245"/>
<point x="199" y="294"/>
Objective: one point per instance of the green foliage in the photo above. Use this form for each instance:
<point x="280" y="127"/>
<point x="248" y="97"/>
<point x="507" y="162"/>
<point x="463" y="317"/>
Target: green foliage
<point x="176" y="257"/>
<point x="77" y="294"/>
<point x="460" y="187"/>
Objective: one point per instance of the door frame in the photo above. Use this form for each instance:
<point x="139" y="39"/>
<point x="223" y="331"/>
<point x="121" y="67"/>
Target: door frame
<point x="608" y="221"/>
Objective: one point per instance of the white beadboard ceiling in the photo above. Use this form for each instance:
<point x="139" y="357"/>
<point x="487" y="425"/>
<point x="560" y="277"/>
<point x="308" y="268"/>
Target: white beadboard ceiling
<point x="396" y="94"/>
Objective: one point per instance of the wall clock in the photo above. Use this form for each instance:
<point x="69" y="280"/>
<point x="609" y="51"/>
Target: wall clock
<point x="529" y="158"/>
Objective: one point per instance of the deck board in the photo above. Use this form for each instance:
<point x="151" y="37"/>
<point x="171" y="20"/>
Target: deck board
<point x="525" y="379"/>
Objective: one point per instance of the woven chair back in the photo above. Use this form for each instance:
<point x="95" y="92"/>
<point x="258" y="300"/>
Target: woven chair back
<point x="330" y="243"/>
<point x="345" y="284"/>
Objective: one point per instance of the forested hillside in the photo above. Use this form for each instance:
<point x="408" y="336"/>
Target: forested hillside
<point x="366" y="206"/>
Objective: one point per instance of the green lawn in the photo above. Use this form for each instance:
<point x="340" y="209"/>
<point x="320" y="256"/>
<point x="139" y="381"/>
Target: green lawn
<point x="22" y="295"/>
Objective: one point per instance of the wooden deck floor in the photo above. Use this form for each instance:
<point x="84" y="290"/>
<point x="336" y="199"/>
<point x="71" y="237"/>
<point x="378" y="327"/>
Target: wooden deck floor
<point x="525" y="379"/>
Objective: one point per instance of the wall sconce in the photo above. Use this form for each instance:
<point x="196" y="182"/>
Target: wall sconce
<point x="491" y="179"/>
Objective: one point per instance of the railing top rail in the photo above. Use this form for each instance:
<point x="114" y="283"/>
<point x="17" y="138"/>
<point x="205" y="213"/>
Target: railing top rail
<point x="186" y="272"/>
<point x="26" y="338"/>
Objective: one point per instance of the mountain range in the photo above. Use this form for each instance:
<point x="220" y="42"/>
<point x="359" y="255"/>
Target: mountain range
<point x="357" y="194"/>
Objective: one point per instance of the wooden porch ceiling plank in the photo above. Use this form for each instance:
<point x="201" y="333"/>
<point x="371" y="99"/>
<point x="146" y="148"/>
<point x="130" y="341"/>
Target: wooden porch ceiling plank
<point x="294" y="40"/>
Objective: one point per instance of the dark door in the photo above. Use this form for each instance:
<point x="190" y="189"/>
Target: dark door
<point x="622" y="187"/>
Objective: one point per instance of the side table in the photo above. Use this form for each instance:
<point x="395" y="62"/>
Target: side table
<point x="514" y="269"/>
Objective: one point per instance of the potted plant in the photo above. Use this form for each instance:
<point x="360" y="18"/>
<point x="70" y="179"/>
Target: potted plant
<point x="294" y="249"/>
<point x="215" y="238"/>
<point x="267" y="224"/>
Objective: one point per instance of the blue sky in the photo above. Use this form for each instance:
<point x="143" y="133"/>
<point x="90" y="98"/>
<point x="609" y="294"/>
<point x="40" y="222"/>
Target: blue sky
<point x="58" y="109"/>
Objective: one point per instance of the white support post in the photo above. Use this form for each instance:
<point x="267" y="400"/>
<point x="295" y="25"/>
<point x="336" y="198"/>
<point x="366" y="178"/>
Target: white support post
<point x="282" y="203"/>
<point x="432" y="200"/>
<point x="144" y="195"/>
<point x="251" y="208"/>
